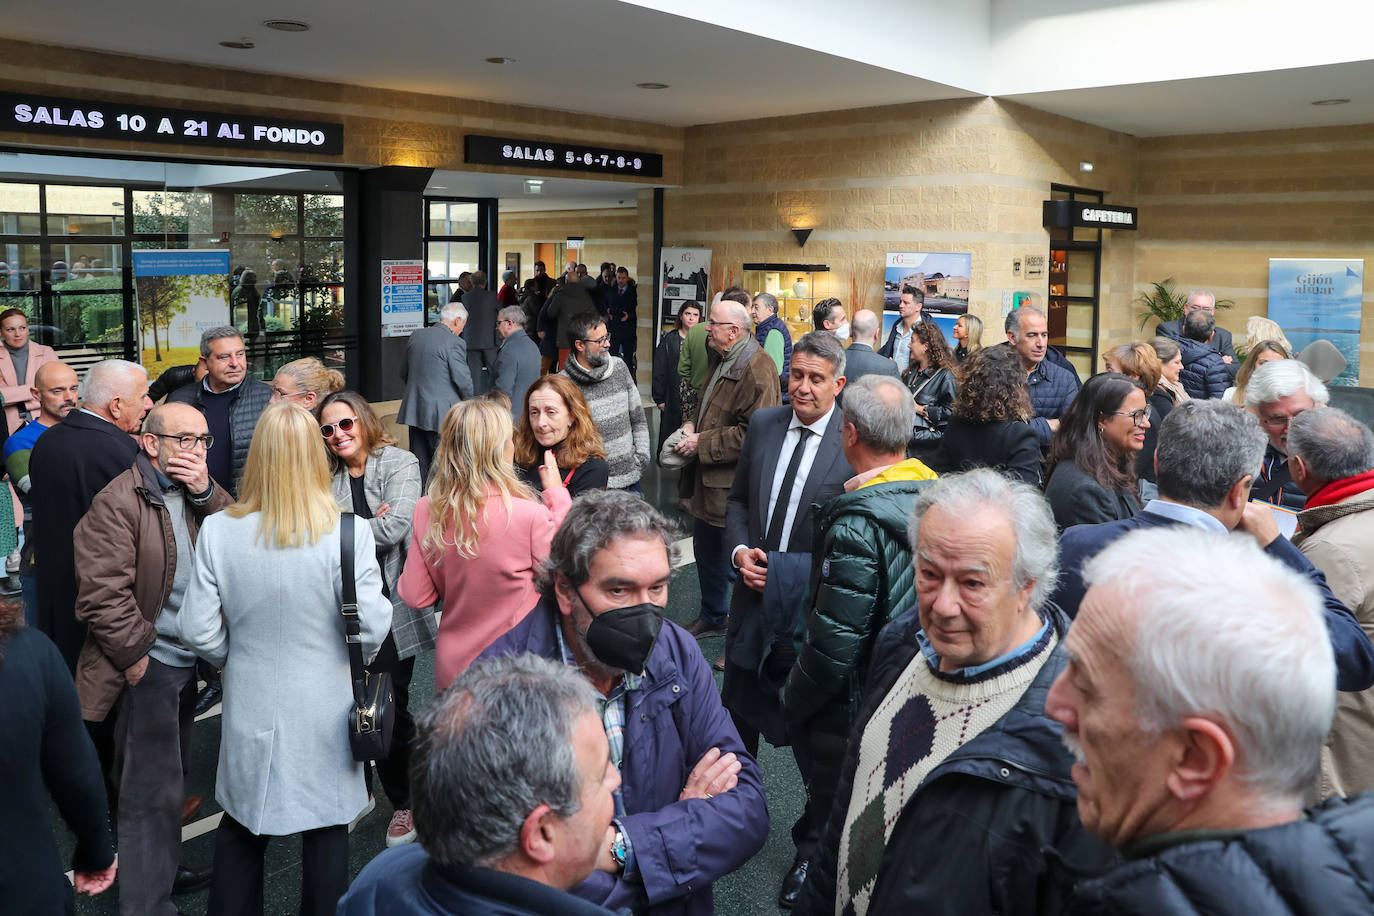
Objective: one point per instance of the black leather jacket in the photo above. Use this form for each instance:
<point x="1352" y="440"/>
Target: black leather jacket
<point x="933" y="389"/>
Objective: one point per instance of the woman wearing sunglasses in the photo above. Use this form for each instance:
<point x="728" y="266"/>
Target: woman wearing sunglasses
<point x="377" y="481"/>
<point x="1091" y="465"/>
<point x="480" y="534"/>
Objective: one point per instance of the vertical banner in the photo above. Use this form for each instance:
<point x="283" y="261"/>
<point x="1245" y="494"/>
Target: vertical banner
<point x="685" y="279"/>
<point x="941" y="276"/>
<point x="180" y="293"/>
<point x="1320" y="299"/>
<point x="403" y="297"/>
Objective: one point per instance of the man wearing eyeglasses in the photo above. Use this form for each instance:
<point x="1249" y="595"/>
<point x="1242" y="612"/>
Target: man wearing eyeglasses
<point x="1200" y="300"/>
<point x="135" y="550"/>
<point x="1278" y="392"/>
<point x="613" y="399"/>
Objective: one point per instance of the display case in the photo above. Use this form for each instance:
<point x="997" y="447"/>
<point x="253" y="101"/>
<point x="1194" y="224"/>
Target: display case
<point x="795" y="287"/>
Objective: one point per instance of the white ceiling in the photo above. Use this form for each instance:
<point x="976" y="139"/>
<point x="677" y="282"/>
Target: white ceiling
<point x="555" y="194"/>
<point x="1145" y="67"/>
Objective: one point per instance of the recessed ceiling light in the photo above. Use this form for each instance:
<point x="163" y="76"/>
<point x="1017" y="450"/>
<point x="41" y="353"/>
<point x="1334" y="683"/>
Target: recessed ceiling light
<point x="243" y="44"/>
<point x="499" y="60"/>
<point x="287" y="25"/>
<point x="1331" y="102"/>
<point x="651" y="85"/>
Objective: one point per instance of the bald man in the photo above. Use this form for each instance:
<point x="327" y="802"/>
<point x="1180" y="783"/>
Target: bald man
<point x="131" y="581"/>
<point x="57" y="390"/>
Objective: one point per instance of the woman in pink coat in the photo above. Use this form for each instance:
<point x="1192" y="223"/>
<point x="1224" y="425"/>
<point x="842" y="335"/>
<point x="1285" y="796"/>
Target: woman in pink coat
<point x="19" y="350"/>
<point x="479" y="535"/>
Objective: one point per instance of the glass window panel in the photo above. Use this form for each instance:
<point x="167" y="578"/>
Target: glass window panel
<point x="20" y="268"/>
<point x="173" y="212"/>
<point x="322" y="307"/>
<point x="1082" y="362"/>
<point x="452" y="218"/>
<point x="89" y="318"/>
<point x="18" y="209"/>
<point x="80" y="266"/>
<point x="1082" y="267"/>
<point x="1079" y="325"/>
<point x="85" y="210"/>
<point x="265" y="214"/>
<point x="324" y="215"/>
<point x="448" y="259"/>
<point x="323" y="263"/>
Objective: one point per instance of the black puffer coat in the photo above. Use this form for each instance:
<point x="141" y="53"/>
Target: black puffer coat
<point x="1204" y="372"/>
<point x="1322" y="865"/>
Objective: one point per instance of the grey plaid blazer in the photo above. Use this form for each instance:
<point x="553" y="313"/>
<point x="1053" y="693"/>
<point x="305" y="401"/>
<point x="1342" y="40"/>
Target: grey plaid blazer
<point x="392" y="476"/>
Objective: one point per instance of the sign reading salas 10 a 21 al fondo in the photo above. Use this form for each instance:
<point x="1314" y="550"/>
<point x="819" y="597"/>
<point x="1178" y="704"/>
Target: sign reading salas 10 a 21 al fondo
<point x="36" y="114"/>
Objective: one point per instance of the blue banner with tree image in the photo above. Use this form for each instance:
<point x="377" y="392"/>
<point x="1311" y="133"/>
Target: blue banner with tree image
<point x="1320" y="299"/>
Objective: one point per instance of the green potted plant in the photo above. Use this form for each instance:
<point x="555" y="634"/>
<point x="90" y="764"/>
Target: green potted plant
<point x="1162" y="302"/>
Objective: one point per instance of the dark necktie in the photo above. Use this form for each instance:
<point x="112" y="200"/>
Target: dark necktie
<point x="773" y="541"/>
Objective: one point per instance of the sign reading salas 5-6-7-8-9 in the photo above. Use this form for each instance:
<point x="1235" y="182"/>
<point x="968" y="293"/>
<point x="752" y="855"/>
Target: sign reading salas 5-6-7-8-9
<point x="36" y="114"/>
<point x="568" y="157"/>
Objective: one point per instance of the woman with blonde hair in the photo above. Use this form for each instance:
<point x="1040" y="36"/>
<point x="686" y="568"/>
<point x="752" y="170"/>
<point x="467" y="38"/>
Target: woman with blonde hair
<point x="1259" y="329"/>
<point x="377" y="481"/>
<point x="304" y="382"/>
<point x="557" y="418"/>
<point x="480" y="534"/>
<point x="1261" y="352"/>
<point x="968" y="330"/>
<point x="263" y="603"/>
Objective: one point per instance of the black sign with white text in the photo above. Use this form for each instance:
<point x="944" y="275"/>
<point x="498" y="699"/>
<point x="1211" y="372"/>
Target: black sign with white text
<point x="36" y="114"/>
<point x="568" y="157"/>
<point x="1063" y="214"/>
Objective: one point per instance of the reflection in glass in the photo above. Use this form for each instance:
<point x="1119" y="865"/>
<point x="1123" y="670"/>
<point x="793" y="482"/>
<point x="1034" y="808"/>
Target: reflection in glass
<point x="265" y="214"/>
<point x="452" y="218"/>
<point x="18" y="209"/>
<point x="173" y="212"/>
<point x="448" y="259"/>
<point x="85" y="210"/>
<point x="324" y="215"/>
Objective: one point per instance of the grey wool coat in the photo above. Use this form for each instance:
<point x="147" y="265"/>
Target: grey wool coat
<point x="392" y="476"/>
<point x="271" y="617"/>
<point x="436" y="375"/>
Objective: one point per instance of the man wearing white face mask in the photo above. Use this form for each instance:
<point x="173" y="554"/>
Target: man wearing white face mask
<point x="829" y="315"/>
<point x="603" y="591"/>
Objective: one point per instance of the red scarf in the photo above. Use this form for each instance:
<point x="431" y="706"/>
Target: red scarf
<point x="1338" y="490"/>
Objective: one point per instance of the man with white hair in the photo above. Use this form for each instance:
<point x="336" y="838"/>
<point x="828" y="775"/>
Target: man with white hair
<point x="437" y="376"/>
<point x="1331" y="456"/>
<point x="69" y="465"/>
<point x="1279" y="391"/>
<point x="955" y="781"/>
<point x="1200" y="300"/>
<point x="1207" y="455"/>
<point x="1196" y="706"/>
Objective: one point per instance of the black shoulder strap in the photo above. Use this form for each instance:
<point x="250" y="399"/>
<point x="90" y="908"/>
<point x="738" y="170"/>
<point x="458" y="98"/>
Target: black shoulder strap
<point x="349" y="608"/>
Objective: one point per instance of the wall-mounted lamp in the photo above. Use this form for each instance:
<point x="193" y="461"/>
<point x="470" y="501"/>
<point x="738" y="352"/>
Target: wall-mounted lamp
<point x="802" y="235"/>
<point x="1085" y="166"/>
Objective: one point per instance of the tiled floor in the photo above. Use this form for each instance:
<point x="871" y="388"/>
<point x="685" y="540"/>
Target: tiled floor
<point x="750" y="890"/>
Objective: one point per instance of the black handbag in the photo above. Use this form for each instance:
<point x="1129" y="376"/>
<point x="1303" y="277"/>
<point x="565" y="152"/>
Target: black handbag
<point x="373" y="717"/>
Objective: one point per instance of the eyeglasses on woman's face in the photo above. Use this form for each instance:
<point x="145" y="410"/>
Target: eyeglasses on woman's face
<point x="1138" y="417"/>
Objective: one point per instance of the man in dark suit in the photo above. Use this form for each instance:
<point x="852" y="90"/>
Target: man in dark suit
<point x="480" y="333"/>
<point x="792" y="459"/>
<point x="622" y="318"/>
<point x="517" y="360"/>
<point x="1201" y="300"/>
<point x="911" y="306"/>
<point x="860" y="359"/>
<point x="437" y="377"/>
<point x="69" y="465"/>
<point x="1207" y="457"/>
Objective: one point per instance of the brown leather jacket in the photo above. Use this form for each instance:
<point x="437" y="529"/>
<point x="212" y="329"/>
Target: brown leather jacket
<point x="749" y="384"/>
<point x="126" y="559"/>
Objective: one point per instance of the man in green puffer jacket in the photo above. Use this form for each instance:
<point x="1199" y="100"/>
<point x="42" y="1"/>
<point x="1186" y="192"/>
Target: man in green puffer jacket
<point x="863" y="580"/>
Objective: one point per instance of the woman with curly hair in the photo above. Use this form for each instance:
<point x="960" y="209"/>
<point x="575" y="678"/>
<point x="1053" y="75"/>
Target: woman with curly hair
<point x="480" y="533"/>
<point x="989" y="426"/>
<point x="557" y="419"/>
<point x="1091" y="466"/>
<point x="930" y="377"/>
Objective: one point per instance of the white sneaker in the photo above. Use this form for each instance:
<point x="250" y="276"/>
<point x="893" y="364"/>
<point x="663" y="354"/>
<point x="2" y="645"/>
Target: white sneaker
<point x="371" y="803"/>
<point x="401" y="830"/>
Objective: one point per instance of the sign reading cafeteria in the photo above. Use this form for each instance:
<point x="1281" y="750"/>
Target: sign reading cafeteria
<point x="568" y="157"/>
<point x="403" y="297"/>
<point x="35" y="114"/>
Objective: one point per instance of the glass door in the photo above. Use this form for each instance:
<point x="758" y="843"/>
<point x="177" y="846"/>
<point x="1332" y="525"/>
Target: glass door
<point x="1075" y="268"/>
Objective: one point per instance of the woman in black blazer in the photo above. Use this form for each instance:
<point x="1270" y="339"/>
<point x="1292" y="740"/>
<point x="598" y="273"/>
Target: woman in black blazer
<point x="930" y="377"/>
<point x="1091" y="465"/>
<point x="1137" y="360"/>
<point x="989" y="425"/>
<point x="665" y="379"/>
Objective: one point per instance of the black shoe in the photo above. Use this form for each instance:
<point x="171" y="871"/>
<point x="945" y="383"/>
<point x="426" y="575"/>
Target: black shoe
<point x="211" y="695"/>
<point x="792" y="884"/>
<point x="701" y="629"/>
<point x="190" y="880"/>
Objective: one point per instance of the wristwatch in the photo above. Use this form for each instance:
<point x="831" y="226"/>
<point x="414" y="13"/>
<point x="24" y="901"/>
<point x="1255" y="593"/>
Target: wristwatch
<point x="618" y="848"/>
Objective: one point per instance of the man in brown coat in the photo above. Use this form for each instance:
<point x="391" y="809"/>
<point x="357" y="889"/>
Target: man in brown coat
<point x="1331" y="458"/>
<point x="745" y="379"/>
<point x="134" y="556"/>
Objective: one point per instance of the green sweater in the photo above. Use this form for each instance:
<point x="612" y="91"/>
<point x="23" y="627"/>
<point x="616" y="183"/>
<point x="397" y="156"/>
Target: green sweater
<point x="693" y="364"/>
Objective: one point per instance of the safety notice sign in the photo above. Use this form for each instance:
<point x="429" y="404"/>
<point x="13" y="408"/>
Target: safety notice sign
<point x="403" y="297"/>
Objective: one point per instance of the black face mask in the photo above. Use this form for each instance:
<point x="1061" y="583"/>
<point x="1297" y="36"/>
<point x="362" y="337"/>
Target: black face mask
<point x="623" y="637"/>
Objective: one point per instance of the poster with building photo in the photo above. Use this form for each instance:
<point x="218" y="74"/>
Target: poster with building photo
<point x="684" y="278"/>
<point x="1320" y="299"/>
<point x="941" y="276"/>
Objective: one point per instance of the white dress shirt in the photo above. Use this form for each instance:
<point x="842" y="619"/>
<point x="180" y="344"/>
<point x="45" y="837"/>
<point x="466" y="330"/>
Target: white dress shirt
<point x="789" y="445"/>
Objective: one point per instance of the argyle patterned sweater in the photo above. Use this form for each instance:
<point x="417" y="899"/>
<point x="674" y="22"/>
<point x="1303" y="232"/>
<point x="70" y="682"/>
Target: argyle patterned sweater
<point x="924" y="718"/>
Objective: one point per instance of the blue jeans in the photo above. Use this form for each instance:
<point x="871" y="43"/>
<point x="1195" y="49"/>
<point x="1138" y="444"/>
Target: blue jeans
<point x="714" y="570"/>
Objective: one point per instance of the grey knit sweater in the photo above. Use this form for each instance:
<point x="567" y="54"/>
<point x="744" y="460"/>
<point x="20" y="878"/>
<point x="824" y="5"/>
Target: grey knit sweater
<point x="619" y="416"/>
